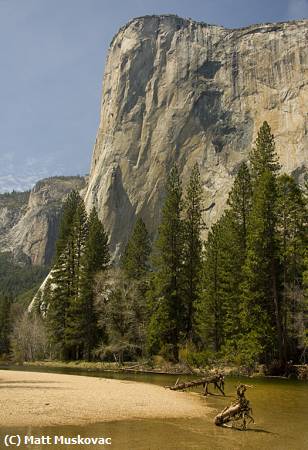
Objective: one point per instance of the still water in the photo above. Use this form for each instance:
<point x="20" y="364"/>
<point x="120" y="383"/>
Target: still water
<point x="280" y="410"/>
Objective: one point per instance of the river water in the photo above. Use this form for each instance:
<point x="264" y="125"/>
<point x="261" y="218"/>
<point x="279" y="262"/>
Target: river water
<point x="280" y="410"/>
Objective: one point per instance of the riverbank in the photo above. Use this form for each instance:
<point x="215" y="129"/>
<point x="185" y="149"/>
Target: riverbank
<point x="297" y="371"/>
<point x="45" y="399"/>
<point x="165" y="369"/>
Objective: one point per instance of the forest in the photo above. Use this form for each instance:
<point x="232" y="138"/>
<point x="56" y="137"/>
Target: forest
<point x="239" y="297"/>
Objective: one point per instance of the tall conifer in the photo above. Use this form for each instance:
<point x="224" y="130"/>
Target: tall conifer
<point x="64" y="276"/>
<point x="261" y="311"/>
<point x="135" y="260"/>
<point x="96" y="258"/>
<point x="263" y="156"/>
<point x="292" y="241"/>
<point x="193" y="224"/>
<point x="74" y="313"/>
<point x="167" y="319"/>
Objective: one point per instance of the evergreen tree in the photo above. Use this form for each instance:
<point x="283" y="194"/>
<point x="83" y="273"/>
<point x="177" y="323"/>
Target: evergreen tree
<point x="136" y="267"/>
<point x="135" y="260"/>
<point x="239" y="201"/>
<point x="218" y="312"/>
<point x="96" y="258"/>
<point x="74" y="313"/>
<point x="5" y="323"/>
<point x="292" y="241"/>
<point x="210" y="308"/>
<point x="234" y="252"/>
<point x="56" y="295"/>
<point x="66" y="223"/>
<point x="167" y="306"/>
<point x="261" y="307"/>
<point x="64" y="283"/>
<point x="263" y="156"/>
<point x="192" y="247"/>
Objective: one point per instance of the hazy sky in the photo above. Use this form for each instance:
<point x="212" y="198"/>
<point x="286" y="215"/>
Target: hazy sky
<point x="52" y="58"/>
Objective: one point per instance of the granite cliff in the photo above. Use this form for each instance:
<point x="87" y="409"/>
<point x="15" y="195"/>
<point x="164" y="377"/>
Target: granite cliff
<point x="176" y="90"/>
<point x="29" y="220"/>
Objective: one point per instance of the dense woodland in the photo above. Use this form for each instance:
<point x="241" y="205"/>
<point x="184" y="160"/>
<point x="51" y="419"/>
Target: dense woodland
<point x="240" y="297"/>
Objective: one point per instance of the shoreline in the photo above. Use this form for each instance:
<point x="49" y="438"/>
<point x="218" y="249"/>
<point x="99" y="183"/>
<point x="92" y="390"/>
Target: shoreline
<point x="50" y="399"/>
<point x="170" y="369"/>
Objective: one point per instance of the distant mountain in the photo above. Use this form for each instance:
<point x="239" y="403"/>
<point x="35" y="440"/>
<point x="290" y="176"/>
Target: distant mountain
<point x="29" y="220"/>
<point x="20" y="174"/>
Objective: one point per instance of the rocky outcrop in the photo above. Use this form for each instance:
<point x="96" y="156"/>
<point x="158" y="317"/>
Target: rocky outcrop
<point x="180" y="91"/>
<point x="29" y="221"/>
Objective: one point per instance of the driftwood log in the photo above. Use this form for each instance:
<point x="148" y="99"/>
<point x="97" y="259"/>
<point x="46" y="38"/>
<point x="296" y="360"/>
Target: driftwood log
<point x="238" y="410"/>
<point x="216" y="380"/>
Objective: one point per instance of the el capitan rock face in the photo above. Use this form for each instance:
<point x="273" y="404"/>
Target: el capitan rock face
<point x="180" y="91"/>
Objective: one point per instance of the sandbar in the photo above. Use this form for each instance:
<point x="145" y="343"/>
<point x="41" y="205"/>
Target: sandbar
<point x="48" y="399"/>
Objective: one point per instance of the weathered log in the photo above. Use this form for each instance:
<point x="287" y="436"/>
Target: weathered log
<point x="217" y="380"/>
<point x="238" y="410"/>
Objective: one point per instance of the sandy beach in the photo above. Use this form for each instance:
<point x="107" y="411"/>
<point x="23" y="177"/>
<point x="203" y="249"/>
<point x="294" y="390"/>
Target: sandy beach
<point x="44" y="399"/>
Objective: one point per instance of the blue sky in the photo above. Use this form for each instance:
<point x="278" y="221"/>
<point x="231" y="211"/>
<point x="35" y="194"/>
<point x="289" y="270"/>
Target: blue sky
<point x="52" y="58"/>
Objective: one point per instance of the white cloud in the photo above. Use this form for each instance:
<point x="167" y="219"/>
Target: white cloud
<point x="298" y="9"/>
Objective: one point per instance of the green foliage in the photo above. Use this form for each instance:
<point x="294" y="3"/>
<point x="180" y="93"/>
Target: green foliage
<point x="15" y="278"/>
<point x="263" y="156"/>
<point x="166" y="321"/>
<point x="5" y="324"/>
<point x="201" y="359"/>
<point x="259" y="288"/>
<point x="64" y="286"/>
<point x="135" y="260"/>
<point x="95" y="259"/>
<point x="218" y="308"/>
<point x="292" y="242"/>
<point x="251" y="304"/>
<point x="242" y="296"/>
<point x="66" y="224"/>
<point x="192" y="248"/>
<point x="239" y="201"/>
<point x="82" y="251"/>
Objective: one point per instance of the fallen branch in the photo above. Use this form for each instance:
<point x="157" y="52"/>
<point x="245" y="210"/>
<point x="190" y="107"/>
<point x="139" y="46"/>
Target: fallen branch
<point x="238" y="410"/>
<point x="216" y="380"/>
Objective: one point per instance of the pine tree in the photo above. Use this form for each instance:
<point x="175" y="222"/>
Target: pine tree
<point x="5" y="323"/>
<point x="210" y="309"/>
<point x="135" y="260"/>
<point x="136" y="268"/>
<point x="56" y="295"/>
<point x="193" y="226"/>
<point x="76" y="248"/>
<point x="239" y="201"/>
<point x="66" y="223"/>
<point x="292" y="241"/>
<point x="218" y="312"/>
<point x="96" y="258"/>
<point x="64" y="276"/>
<point x="167" y="299"/>
<point x="261" y="309"/>
<point x="263" y="156"/>
<point x="234" y="252"/>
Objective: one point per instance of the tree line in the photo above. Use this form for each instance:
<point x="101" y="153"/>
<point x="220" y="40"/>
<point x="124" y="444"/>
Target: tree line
<point x="239" y="296"/>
